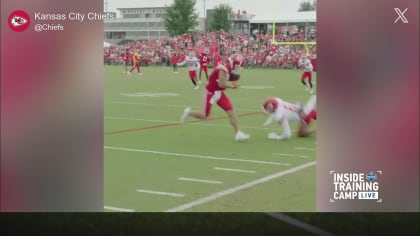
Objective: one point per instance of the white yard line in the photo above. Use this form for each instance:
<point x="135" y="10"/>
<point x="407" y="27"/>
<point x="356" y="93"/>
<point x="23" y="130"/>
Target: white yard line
<point x="197" y="156"/>
<point x="304" y="148"/>
<point x="289" y="155"/>
<point x="217" y="195"/>
<point x="169" y="122"/>
<point x="118" y="209"/>
<point x="235" y="170"/>
<point x="200" y="180"/>
<point x="300" y="224"/>
<point x="160" y="193"/>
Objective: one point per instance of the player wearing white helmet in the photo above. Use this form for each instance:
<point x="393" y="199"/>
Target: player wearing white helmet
<point x="307" y="66"/>
<point x="192" y="65"/>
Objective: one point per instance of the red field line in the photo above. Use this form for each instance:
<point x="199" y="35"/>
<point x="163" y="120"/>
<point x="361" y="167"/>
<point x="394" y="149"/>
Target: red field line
<point x="174" y="124"/>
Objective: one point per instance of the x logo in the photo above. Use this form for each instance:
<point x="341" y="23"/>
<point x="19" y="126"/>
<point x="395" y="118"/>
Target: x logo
<point x="401" y="15"/>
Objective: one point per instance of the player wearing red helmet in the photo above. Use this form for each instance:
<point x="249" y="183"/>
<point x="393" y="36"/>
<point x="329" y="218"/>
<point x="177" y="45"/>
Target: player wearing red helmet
<point x="270" y="105"/>
<point x="174" y="61"/>
<point x="284" y="112"/>
<point x="222" y="77"/>
<point x="126" y="59"/>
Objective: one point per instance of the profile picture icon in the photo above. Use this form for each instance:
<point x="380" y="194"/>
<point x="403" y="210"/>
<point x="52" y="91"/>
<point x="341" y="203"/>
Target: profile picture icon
<point x="19" y="21"/>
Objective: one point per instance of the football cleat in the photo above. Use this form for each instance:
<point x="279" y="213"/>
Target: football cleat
<point x="273" y="136"/>
<point x="241" y="136"/>
<point x="185" y="115"/>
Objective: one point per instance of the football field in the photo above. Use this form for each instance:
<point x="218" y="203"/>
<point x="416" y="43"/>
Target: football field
<point x="154" y="163"/>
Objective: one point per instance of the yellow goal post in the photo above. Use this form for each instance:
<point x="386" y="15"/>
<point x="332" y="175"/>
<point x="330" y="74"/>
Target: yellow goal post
<point x="275" y="42"/>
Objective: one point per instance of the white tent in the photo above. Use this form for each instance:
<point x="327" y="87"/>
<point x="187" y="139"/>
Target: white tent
<point x="107" y="44"/>
<point x="295" y="17"/>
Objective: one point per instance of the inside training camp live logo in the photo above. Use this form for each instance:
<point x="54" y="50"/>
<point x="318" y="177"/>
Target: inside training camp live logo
<point x="19" y="21"/>
<point x="359" y="186"/>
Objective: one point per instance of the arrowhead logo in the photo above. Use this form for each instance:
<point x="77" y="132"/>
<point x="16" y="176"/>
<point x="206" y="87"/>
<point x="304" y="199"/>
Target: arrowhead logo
<point x="19" y="21"/>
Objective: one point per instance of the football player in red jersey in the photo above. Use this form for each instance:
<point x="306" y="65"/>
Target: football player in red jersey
<point x="204" y="63"/>
<point x="174" y="61"/>
<point x="107" y="55"/>
<point x="223" y="76"/>
<point x="126" y="60"/>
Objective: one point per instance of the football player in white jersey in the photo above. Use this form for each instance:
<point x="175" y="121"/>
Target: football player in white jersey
<point x="193" y="65"/>
<point x="307" y="66"/>
<point x="284" y="112"/>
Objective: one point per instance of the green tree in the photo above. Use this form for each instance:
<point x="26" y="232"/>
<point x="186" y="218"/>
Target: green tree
<point x="180" y="17"/>
<point x="220" y="18"/>
<point x="307" y="6"/>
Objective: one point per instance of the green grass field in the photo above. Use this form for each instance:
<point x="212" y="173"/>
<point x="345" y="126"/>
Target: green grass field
<point x="153" y="162"/>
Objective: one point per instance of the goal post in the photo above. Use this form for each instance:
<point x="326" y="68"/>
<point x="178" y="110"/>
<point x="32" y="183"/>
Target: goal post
<point x="305" y="44"/>
<point x="275" y="42"/>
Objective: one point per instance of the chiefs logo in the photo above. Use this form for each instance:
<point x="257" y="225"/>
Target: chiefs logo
<point x="19" y="21"/>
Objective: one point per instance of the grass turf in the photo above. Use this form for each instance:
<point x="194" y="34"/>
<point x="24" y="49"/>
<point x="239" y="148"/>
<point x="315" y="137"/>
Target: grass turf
<point x="147" y="148"/>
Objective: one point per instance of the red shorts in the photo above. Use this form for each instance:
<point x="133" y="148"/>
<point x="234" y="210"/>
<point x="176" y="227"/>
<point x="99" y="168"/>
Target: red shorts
<point x="310" y="116"/>
<point x="193" y="74"/>
<point x="307" y="74"/>
<point x="224" y="102"/>
<point x="204" y="67"/>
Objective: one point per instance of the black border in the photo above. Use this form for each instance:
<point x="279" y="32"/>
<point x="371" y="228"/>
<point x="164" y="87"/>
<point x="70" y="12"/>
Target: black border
<point x="205" y="224"/>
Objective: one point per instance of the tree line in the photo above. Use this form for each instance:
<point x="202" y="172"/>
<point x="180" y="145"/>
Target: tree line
<point x="181" y="16"/>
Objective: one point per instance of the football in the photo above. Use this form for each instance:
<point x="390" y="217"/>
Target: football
<point x="234" y="77"/>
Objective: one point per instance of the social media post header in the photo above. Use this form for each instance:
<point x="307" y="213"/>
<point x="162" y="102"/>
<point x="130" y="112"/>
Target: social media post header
<point x="20" y="20"/>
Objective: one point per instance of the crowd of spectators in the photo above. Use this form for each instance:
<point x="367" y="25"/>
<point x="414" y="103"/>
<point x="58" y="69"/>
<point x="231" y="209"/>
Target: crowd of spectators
<point x="257" y="49"/>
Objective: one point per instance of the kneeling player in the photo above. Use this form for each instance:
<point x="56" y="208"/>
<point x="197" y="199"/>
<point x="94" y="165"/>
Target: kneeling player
<point x="284" y="112"/>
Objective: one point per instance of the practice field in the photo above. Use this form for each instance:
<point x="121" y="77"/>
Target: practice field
<point x="154" y="163"/>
